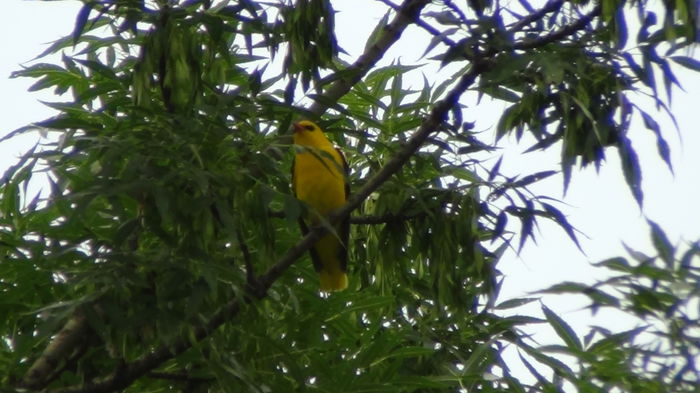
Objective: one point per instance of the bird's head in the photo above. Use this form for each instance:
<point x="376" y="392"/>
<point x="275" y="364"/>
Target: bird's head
<point x="307" y="133"/>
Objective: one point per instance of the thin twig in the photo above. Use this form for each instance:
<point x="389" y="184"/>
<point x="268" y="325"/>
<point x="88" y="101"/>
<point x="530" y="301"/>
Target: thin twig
<point x="183" y="377"/>
<point x="247" y="260"/>
<point x="420" y="22"/>
<point x="559" y="34"/>
<point x="551" y="6"/>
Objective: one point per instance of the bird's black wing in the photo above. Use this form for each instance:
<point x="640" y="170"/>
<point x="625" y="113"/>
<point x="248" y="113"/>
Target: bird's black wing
<point x="344" y="227"/>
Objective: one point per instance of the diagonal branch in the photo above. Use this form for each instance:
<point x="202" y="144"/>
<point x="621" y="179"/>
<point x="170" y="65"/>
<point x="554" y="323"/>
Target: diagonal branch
<point x="551" y="6"/>
<point x="59" y="348"/>
<point x="561" y="33"/>
<point x="425" y="25"/>
<point x="365" y="219"/>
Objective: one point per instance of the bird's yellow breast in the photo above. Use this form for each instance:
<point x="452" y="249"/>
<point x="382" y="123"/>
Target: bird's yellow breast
<point x="319" y="181"/>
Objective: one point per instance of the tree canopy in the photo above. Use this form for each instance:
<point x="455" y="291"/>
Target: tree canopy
<point x="162" y="252"/>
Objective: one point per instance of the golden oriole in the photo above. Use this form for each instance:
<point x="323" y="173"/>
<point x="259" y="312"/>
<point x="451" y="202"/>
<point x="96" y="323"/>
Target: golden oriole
<point x="319" y="180"/>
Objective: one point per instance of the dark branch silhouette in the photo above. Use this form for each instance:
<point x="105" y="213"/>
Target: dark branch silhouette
<point x="564" y="32"/>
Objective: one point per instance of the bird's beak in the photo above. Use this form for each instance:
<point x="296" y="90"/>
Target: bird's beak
<point x="297" y="127"/>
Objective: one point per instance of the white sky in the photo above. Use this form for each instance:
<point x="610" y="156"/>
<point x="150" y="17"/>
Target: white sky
<point x="600" y="204"/>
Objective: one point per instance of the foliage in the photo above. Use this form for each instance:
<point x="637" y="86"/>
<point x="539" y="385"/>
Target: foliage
<point x="160" y="254"/>
<point x="662" y="293"/>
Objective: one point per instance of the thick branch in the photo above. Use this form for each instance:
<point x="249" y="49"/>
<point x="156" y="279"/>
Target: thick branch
<point x="366" y="219"/>
<point x="60" y="348"/>
<point x="128" y="373"/>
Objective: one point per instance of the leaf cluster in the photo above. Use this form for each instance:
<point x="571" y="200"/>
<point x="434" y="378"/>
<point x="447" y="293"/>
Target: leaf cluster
<point x="660" y="293"/>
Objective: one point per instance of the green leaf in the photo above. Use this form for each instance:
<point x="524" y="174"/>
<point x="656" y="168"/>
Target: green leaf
<point x="98" y="67"/>
<point x="662" y="244"/>
<point x="688" y="256"/>
<point x="561" y="220"/>
<point x="292" y="208"/>
<point x="405" y="352"/>
<point x="555" y="364"/>
<point x="514" y="303"/>
<point x="618" y="263"/>
<point x="564" y="331"/>
<point x="378" y="30"/>
<point x="374" y="302"/>
<point x="631" y="169"/>
<point x="501" y="93"/>
<point x="615" y="341"/>
<point x="662" y="145"/>
<point x="81" y="20"/>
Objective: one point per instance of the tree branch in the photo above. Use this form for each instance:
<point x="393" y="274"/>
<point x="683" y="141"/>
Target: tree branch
<point x="58" y="349"/>
<point x="392" y="32"/>
<point x="551" y="6"/>
<point x="182" y="377"/>
<point x="426" y="26"/>
<point x="561" y="33"/>
<point x="365" y="219"/>
<point x="457" y="10"/>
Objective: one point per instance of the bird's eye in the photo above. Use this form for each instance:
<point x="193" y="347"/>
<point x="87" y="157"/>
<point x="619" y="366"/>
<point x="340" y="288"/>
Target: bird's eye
<point x="309" y="128"/>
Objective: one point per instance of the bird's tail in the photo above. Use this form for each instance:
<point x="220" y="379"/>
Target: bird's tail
<point x="332" y="280"/>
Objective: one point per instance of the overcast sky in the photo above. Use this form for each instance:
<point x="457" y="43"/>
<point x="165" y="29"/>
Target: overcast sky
<point x="601" y="205"/>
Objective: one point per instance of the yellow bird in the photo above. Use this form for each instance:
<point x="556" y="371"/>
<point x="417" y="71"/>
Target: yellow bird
<point x="319" y="180"/>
